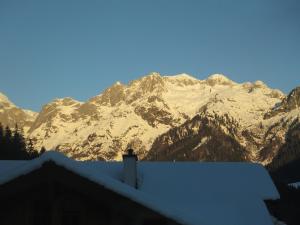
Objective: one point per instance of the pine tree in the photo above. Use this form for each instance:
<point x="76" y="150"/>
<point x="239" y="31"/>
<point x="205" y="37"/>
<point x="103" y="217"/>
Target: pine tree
<point x="19" y="145"/>
<point x="7" y="134"/>
<point x="43" y="150"/>
<point x="1" y="134"/>
<point x="30" y="148"/>
<point x="31" y="151"/>
<point x="7" y="143"/>
<point x="1" y="141"/>
<point x="14" y="146"/>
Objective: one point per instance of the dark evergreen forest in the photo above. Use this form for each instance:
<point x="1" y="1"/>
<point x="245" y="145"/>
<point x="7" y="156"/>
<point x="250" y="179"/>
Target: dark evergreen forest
<point x="13" y="145"/>
<point x="287" y="208"/>
<point x="287" y="162"/>
<point x="285" y="169"/>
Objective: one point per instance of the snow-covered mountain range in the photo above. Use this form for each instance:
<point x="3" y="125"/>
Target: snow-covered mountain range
<point x="165" y="118"/>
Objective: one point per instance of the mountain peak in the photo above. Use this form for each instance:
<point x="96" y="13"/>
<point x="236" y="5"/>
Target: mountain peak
<point x="182" y="76"/>
<point x="67" y="101"/>
<point x="111" y="96"/>
<point x="4" y="100"/>
<point x="219" y="79"/>
<point x="153" y="77"/>
<point x="118" y="83"/>
<point x="149" y="83"/>
<point x="10" y="114"/>
<point x="260" y="84"/>
<point x="293" y="98"/>
<point x="182" y="79"/>
<point x="154" y="74"/>
<point x="3" y="97"/>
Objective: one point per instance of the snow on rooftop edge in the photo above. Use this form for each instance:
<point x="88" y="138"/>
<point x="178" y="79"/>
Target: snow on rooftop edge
<point x="105" y="181"/>
<point x="189" y="216"/>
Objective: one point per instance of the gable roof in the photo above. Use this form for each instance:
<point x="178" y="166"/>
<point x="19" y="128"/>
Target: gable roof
<point x="189" y="192"/>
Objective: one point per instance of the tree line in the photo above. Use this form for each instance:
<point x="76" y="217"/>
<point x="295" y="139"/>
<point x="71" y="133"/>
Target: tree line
<point x="14" y="146"/>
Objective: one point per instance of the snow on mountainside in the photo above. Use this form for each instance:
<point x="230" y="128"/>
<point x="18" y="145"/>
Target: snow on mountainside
<point x="10" y="114"/>
<point x="244" y="129"/>
<point x="170" y="116"/>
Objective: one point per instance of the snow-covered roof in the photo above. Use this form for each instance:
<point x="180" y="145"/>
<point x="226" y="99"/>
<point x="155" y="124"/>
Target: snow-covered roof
<point x="189" y="192"/>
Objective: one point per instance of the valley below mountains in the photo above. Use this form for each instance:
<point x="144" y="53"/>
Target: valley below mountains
<point x="168" y="118"/>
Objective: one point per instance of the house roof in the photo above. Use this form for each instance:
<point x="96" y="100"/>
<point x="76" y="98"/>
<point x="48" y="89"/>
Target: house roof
<point x="191" y="193"/>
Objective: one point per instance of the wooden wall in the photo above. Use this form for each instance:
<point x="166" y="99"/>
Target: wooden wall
<point x="53" y="195"/>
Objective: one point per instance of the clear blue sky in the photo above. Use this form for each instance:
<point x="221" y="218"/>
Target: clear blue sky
<point x="60" y="48"/>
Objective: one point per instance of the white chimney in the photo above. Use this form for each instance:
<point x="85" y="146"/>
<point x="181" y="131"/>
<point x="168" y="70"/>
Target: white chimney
<point x="129" y="168"/>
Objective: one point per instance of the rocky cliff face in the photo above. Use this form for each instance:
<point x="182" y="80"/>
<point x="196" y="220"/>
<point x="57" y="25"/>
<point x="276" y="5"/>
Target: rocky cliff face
<point x="284" y="118"/>
<point x="10" y="115"/>
<point x="170" y="118"/>
<point x="289" y="151"/>
<point x="289" y="103"/>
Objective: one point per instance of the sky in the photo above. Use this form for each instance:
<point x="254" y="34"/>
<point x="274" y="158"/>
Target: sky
<point x="63" y="48"/>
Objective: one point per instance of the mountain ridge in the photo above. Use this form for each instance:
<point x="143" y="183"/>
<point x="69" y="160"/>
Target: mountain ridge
<point x="140" y="113"/>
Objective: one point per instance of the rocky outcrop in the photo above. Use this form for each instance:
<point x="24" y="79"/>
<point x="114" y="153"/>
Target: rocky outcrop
<point x="203" y="138"/>
<point x="289" y="103"/>
<point x="10" y="114"/>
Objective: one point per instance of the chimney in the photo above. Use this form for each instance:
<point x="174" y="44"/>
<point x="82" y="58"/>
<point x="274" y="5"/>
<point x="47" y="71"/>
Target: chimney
<point x="129" y="168"/>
